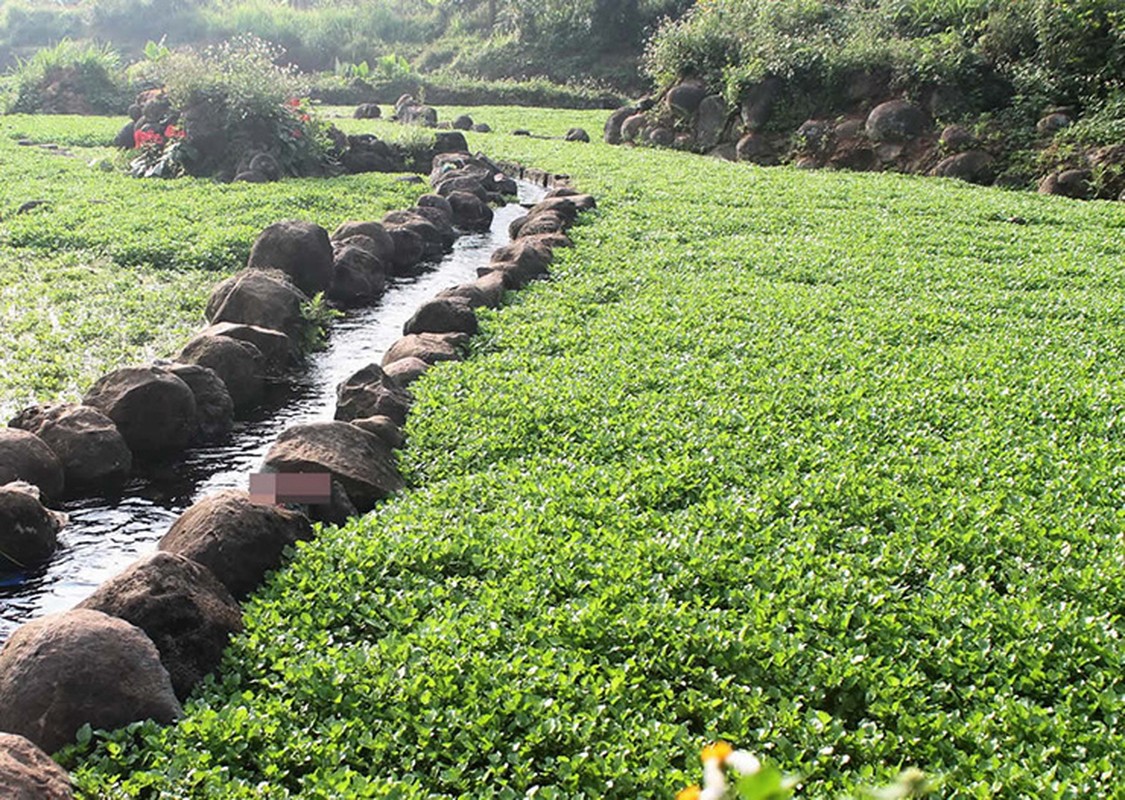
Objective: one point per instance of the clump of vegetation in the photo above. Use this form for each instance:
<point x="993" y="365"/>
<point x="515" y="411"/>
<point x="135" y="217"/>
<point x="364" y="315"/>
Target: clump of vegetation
<point x="234" y="102"/>
<point x="69" y="78"/>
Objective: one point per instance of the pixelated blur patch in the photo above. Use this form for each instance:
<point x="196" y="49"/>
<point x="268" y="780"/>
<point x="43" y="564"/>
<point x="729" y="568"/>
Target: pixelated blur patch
<point x="279" y="488"/>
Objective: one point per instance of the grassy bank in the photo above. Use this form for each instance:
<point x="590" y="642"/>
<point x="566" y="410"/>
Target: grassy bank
<point x="827" y="465"/>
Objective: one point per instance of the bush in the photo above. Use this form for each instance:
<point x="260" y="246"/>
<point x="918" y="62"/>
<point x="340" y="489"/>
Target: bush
<point x="71" y="77"/>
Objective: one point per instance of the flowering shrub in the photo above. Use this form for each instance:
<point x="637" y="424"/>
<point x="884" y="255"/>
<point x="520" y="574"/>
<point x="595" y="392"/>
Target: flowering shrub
<point x="233" y="102"/>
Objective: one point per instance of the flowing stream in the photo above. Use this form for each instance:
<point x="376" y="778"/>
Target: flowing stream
<point x="106" y="534"/>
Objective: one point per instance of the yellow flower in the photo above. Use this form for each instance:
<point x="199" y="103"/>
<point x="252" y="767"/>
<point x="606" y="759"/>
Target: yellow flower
<point x="716" y="750"/>
<point x="690" y="793"/>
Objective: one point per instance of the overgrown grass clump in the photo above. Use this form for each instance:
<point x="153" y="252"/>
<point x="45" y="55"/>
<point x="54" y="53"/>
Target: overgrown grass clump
<point x="825" y="465"/>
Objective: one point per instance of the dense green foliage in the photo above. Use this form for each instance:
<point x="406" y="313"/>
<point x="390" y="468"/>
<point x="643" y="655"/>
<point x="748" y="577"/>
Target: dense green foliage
<point x="1032" y="52"/>
<point x="112" y="268"/>
<point x="825" y="465"/>
<point x="569" y="41"/>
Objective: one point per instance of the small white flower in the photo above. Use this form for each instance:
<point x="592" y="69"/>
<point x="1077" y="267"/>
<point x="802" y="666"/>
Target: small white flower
<point x="744" y="762"/>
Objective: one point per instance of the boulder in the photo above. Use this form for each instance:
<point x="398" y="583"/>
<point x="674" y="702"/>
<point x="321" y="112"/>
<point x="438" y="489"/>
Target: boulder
<point x="583" y="202"/>
<point x="450" y="142"/>
<point x="369" y="392"/>
<point x="265" y="164"/>
<point x="895" y="121"/>
<point x="470" y="212"/>
<point x="238" y="540"/>
<point x="460" y="182"/>
<point x="417" y="114"/>
<point x="436" y="201"/>
<point x="264" y="298"/>
<point x="359" y="460"/>
<point x="358" y="276"/>
<point x="250" y="176"/>
<point x="434" y="240"/>
<point x="1072" y="183"/>
<point x="367" y="111"/>
<point x="239" y="364"/>
<point x="462" y="123"/>
<point x="482" y="127"/>
<point x="577" y="135"/>
<point x="182" y="607"/>
<point x="725" y="151"/>
<point x="815" y="135"/>
<point x="297" y="248"/>
<point x="279" y="352"/>
<point x="81" y="667"/>
<point x="410" y="249"/>
<point x="756" y="148"/>
<point x="442" y="316"/>
<point x="28" y="530"/>
<point x="440" y="220"/>
<point x="1052" y="123"/>
<point x="367" y="153"/>
<point x="124" y="139"/>
<point x="758" y="103"/>
<point x="153" y="409"/>
<point x="26" y="457"/>
<point x="975" y="166"/>
<point x="567" y="207"/>
<point x="543" y="222"/>
<point x="88" y="445"/>
<point x="530" y="256"/>
<point x="684" y="98"/>
<point x="385" y="246"/>
<point x="27" y="773"/>
<point x="710" y="121"/>
<point x="612" y="132"/>
<point x="956" y="138"/>
<point x="383" y="427"/>
<point x="660" y="136"/>
<point x="631" y="128"/>
<point x="430" y="347"/>
<point x="488" y="290"/>
<point x="405" y="371"/>
<point x="214" y="409"/>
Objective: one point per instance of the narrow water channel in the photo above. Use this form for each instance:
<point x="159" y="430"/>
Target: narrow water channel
<point x="106" y="534"/>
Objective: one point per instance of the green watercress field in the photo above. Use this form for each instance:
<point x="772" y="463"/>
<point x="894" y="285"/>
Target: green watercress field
<point x="110" y="269"/>
<point x="825" y="465"/>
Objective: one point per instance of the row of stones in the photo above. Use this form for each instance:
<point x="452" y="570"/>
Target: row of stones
<point x="137" y="646"/>
<point x="894" y="134"/>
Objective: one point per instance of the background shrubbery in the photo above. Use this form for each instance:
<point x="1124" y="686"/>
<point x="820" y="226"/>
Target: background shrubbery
<point x="1030" y="53"/>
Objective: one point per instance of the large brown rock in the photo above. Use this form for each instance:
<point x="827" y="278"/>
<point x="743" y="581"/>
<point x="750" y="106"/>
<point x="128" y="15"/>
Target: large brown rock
<point x="236" y="539"/>
<point x="409" y="249"/>
<point x="26" y="457"/>
<point x="406" y="370"/>
<point x="433" y="240"/>
<point x="358" y="276"/>
<point x="975" y="166"/>
<point x="27" y="773"/>
<point x="470" y="212"/>
<point x="369" y="392"/>
<point x="541" y="222"/>
<point x="214" y="409"/>
<point x="77" y="668"/>
<point x="383" y="427"/>
<point x="154" y="410"/>
<point x="239" y="364"/>
<point x="384" y="244"/>
<point x="442" y="315"/>
<point x="359" y="460"/>
<point x="430" y="347"/>
<point x="185" y="610"/>
<point x="684" y="98"/>
<point x="895" y="121"/>
<point x="611" y="134"/>
<point x="436" y="201"/>
<point x="28" y="530"/>
<point x="756" y="148"/>
<point x="710" y="121"/>
<point x="279" y="351"/>
<point x="1072" y="183"/>
<point x="298" y="248"/>
<point x="758" y="102"/>
<point x="264" y="298"/>
<point x="87" y="443"/>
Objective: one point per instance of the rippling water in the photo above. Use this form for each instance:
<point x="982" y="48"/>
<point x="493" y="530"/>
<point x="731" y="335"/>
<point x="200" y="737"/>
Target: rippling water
<point x="106" y="534"/>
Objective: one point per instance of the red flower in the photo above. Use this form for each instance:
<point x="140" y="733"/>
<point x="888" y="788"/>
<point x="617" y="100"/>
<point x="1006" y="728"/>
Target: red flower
<point x="172" y="132"/>
<point x="305" y="118"/>
<point x="293" y="102"/>
<point x="143" y="137"/>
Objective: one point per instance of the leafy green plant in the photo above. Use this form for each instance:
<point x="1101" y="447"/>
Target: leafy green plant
<point x="318" y="317"/>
